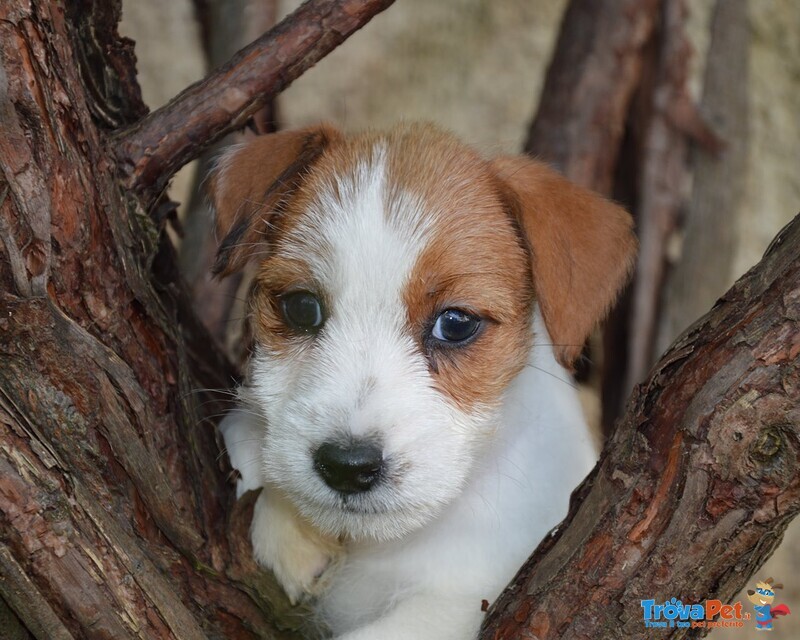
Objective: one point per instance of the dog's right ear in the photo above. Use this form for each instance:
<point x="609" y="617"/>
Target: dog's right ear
<point x="252" y="180"/>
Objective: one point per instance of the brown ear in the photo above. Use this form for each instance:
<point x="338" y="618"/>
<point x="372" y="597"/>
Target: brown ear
<point x="582" y="249"/>
<point x="250" y="181"/>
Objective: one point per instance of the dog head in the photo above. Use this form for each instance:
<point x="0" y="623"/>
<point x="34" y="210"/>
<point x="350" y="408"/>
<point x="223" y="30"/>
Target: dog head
<point x="393" y="300"/>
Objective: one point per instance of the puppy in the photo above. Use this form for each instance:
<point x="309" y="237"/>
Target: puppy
<point x="408" y="412"/>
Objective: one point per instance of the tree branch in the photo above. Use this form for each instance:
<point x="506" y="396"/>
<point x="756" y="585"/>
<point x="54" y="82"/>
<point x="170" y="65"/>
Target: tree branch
<point x="663" y="174"/>
<point x="150" y="152"/>
<point x="696" y="486"/>
<point x="717" y="202"/>
<point x="594" y="71"/>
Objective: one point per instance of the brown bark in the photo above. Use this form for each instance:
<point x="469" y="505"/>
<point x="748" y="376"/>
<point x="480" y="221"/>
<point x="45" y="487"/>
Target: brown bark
<point x="159" y="144"/>
<point x="697" y="484"/>
<point x="115" y="517"/>
<point x="594" y="71"/>
<point x="715" y="204"/>
<point x="671" y="121"/>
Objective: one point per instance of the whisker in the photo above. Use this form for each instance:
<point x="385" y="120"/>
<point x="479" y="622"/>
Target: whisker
<point x="224" y="451"/>
<point x="553" y="375"/>
<point x="221" y="390"/>
<point x="248" y="463"/>
<point x="554" y="344"/>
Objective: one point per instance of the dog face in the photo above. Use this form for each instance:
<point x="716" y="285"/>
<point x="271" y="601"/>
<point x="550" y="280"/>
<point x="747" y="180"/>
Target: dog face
<point x="392" y="306"/>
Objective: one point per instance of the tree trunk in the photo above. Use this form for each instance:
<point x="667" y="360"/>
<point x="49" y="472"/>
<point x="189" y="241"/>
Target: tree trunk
<point x="115" y="517"/>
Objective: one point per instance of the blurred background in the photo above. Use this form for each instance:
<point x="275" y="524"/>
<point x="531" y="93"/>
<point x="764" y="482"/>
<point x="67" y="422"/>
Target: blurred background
<point x="700" y="139"/>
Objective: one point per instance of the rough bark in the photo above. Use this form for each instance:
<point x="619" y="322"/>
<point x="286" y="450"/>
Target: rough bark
<point x="698" y="482"/>
<point x="700" y="275"/>
<point x="594" y="71"/>
<point x="115" y="517"/>
<point x="159" y="144"/>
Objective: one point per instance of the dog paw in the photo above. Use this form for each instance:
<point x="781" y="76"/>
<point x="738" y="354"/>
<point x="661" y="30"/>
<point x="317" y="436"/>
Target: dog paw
<point x="298" y="555"/>
<point x="242" y="434"/>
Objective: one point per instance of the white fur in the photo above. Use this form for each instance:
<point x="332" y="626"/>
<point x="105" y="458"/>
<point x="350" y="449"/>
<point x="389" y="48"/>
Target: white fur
<point x="364" y="375"/>
<point x="469" y="494"/>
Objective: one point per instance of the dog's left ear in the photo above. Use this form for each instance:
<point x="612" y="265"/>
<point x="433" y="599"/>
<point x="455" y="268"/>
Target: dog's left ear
<point x="582" y="249"/>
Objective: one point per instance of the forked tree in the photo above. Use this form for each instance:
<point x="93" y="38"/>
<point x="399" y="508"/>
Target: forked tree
<point x="117" y="519"/>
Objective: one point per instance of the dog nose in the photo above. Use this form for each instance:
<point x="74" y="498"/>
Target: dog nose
<point x="351" y="468"/>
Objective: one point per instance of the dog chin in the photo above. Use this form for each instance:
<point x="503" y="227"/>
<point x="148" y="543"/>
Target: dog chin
<point x="363" y="522"/>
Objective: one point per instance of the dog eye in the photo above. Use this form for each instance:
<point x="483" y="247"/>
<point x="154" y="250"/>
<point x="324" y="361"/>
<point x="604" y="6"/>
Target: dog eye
<point x="454" y="325"/>
<point x="302" y="310"/>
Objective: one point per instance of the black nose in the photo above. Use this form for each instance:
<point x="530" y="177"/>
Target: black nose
<point x="349" y="468"/>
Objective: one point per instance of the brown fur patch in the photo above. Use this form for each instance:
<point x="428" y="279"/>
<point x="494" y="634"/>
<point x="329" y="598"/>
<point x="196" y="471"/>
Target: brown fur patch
<point x="501" y="231"/>
<point x="250" y="184"/>
<point x="582" y="249"/>
<point x="474" y="262"/>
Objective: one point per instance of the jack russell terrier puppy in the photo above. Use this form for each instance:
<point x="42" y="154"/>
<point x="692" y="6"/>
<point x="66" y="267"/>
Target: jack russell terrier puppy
<point x="408" y="413"/>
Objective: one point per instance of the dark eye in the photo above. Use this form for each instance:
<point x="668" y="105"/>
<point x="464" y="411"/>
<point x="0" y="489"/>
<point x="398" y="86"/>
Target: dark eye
<point x="302" y="311"/>
<point x="454" y="325"/>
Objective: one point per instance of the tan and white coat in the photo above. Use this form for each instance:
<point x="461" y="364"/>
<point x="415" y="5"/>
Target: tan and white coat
<point x="482" y="442"/>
